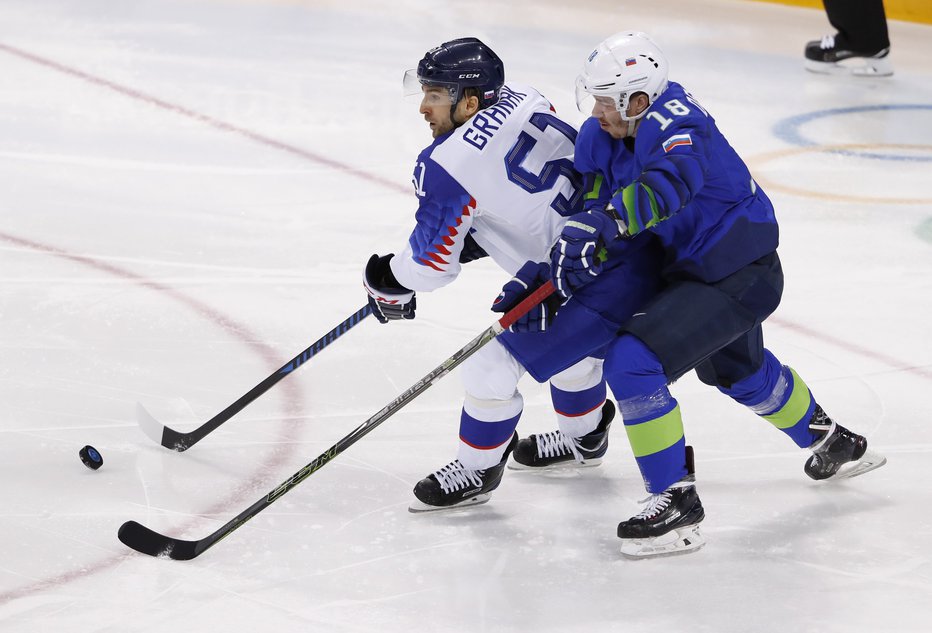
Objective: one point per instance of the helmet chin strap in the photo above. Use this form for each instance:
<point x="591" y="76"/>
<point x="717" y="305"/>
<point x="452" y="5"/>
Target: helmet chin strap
<point x="634" y="122"/>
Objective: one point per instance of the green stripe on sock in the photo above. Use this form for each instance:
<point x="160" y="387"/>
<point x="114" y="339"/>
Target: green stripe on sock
<point x="795" y="408"/>
<point x="656" y="435"/>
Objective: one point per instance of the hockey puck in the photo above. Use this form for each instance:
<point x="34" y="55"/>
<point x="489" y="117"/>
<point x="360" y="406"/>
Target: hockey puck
<point x="91" y="458"/>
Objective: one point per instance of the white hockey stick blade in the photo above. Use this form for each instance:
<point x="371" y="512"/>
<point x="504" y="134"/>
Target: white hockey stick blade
<point x="679" y="541"/>
<point x="417" y="507"/>
<point x="869" y="461"/>
<point x="149" y="425"/>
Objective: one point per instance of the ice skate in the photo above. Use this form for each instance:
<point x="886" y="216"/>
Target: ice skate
<point x="454" y="486"/>
<point x="840" y="453"/>
<point x="552" y="450"/>
<point x="668" y="524"/>
<point x="826" y="56"/>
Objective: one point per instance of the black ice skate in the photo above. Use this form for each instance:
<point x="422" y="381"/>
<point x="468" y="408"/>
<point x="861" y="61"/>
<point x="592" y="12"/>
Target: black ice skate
<point x="830" y="56"/>
<point x="456" y="487"/>
<point x="668" y="524"/>
<point x="839" y="454"/>
<point x="555" y="450"/>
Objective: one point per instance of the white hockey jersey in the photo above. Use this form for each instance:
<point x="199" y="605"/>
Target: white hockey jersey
<point x="505" y="177"/>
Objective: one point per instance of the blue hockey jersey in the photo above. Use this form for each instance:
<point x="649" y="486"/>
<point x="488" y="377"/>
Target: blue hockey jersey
<point x="684" y="183"/>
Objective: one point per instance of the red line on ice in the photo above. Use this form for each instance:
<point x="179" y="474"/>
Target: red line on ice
<point x="277" y="458"/>
<point x="230" y="324"/>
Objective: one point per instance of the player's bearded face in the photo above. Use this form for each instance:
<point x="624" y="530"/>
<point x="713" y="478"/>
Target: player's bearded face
<point x="609" y="117"/>
<point x="435" y="106"/>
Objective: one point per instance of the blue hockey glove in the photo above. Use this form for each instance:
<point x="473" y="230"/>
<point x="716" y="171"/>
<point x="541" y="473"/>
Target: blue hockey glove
<point x="576" y="258"/>
<point x="525" y="281"/>
<point x="388" y="298"/>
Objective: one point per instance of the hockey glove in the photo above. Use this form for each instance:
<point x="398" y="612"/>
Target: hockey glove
<point x="471" y="250"/>
<point x="576" y="258"/>
<point x="525" y="281"/>
<point x="389" y="299"/>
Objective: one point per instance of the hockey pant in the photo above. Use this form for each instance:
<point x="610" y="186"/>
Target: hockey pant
<point x="716" y="330"/>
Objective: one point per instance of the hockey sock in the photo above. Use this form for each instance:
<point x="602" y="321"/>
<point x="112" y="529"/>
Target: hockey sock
<point x="655" y="430"/>
<point x="651" y="414"/>
<point x="776" y="393"/>
<point x="486" y="426"/>
<point x="578" y="396"/>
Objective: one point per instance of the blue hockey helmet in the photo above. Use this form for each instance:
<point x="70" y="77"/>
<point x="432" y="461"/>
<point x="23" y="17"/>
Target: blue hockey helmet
<point x="459" y="64"/>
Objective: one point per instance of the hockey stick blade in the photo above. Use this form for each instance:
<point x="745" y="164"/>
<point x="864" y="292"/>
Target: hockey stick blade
<point x="158" y="432"/>
<point x="146" y="541"/>
<point x="178" y="441"/>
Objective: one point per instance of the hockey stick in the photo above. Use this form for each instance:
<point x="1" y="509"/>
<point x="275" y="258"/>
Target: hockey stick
<point x="146" y="541"/>
<point x="177" y="441"/>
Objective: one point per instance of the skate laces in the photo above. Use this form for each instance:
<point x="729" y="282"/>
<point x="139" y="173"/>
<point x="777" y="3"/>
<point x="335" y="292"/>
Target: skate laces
<point x="658" y="503"/>
<point x="821" y="423"/>
<point x="555" y="444"/>
<point x="655" y="505"/>
<point x="828" y="42"/>
<point x="454" y="477"/>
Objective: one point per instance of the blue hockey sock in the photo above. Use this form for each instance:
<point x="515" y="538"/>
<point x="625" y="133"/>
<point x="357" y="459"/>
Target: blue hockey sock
<point x="777" y="393"/>
<point x="651" y="414"/>
<point x="655" y="431"/>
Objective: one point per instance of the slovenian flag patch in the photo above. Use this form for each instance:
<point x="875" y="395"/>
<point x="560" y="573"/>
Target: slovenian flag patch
<point x="675" y="141"/>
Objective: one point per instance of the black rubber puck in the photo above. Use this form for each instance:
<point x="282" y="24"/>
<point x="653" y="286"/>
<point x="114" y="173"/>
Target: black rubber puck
<point x="91" y="458"/>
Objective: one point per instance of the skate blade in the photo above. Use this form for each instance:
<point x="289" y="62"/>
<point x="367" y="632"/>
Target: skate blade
<point x="419" y="507"/>
<point x="869" y="461"/>
<point x="856" y="66"/>
<point x="674" y="542"/>
<point x="571" y="464"/>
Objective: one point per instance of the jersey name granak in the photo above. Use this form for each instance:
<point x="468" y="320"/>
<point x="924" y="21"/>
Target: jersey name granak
<point x="486" y="123"/>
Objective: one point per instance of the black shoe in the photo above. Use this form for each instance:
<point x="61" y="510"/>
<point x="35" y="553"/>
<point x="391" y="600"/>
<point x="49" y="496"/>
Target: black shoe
<point x="839" y="453"/>
<point x="554" y="449"/>
<point x="668" y="524"/>
<point x="455" y="487"/>
<point x="832" y="55"/>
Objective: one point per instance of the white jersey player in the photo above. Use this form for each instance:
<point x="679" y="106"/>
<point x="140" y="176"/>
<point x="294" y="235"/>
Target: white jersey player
<point x="498" y="180"/>
<point x="505" y="176"/>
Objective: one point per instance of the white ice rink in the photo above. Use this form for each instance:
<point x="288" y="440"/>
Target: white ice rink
<point x="189" y="191"/>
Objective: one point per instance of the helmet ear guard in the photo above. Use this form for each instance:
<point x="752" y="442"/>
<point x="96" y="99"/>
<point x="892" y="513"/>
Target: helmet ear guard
<point x="621" y="66"/>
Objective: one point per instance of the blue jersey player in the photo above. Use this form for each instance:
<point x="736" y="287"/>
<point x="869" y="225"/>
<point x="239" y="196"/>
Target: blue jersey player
<point x="498" y="180"/>
<point x="655" y="163"/>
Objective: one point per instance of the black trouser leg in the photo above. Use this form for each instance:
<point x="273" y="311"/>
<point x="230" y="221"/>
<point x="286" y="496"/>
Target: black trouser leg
<point x="861" y="24"/>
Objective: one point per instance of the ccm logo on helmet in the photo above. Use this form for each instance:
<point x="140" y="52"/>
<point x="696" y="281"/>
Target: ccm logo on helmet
<point x="469" y="76"/>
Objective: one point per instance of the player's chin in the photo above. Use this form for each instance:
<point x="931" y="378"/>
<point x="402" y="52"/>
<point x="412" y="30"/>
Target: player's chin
<point x="614" y="131"/>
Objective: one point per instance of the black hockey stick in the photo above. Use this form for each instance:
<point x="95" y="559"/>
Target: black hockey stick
<point x="177" y="441"/>
<point x="146" y="541"/>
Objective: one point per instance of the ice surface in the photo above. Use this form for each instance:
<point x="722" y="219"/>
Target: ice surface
<point x="189" y="193"/>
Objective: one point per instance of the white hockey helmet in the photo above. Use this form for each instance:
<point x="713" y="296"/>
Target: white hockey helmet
<point x="622" y="65"/>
